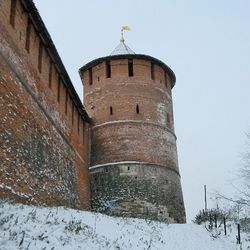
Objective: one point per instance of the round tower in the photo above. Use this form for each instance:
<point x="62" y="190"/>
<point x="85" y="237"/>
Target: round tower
<point x="133" y="166"/>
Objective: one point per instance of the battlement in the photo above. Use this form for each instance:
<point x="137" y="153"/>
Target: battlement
<point x="144" y="95"/>
<point x="133" y="65"/>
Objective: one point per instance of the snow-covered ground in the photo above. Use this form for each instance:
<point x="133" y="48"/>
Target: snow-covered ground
<point x="31" y="227"/>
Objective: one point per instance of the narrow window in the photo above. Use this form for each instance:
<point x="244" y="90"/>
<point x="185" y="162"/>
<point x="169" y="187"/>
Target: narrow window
<point x="40" y="55"/>
<point x="130" y="67"/>
<point x="13" y="13"/>
<point x="58" y="88"/>
<point x="78" y="124"/>
<point x="137" y="109"/>
<point x="152" y="71"/>
<point x="90" y="76"/>
<point x="108" y="69"/>
<point x="168" y="118"/>
<point x="111" y="110"/>
<point x="27" y="42"/>
<point x="166" y="80"/>
<point x="50" y="73"/>
<point x="83" y="131"/>
<point x="128" y="168"/>
<point x="66" y="103"/>
<point x="86" y="133"/>
<point x="72" y="114"/>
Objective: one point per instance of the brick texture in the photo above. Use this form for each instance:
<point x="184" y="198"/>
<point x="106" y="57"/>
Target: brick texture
<point x="45" y="133"/>
<point x="134" y="166"/>
<point x="43" y="154"/>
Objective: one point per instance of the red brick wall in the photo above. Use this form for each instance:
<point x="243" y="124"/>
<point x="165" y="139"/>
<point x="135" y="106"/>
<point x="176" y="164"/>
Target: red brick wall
<point x="43" y="137"/>
<point x="123" y="93"/>
<point x="127" y="141"/>
<point x="126" y="134"/>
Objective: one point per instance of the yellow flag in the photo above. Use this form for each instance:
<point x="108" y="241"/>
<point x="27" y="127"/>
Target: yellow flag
<point x="125" y="27"/>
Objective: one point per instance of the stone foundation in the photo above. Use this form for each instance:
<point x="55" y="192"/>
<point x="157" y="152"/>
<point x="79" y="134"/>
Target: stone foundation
<point x="137" y="190"/>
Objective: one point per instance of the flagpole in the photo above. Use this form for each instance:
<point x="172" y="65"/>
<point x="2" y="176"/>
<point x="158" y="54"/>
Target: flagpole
<point x="122" y="40"/>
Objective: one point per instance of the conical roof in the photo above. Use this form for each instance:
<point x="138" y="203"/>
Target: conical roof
<point x="122" y="49"/>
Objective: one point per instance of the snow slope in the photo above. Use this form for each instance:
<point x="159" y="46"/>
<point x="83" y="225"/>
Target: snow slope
<point x="30" y="227"/>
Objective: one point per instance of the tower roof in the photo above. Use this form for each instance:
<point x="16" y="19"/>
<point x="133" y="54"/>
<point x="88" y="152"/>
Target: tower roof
<point x="122" y="49"/>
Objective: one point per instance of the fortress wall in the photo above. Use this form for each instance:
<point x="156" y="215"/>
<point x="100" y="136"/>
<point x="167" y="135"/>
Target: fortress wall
<point x="43" y="129"/>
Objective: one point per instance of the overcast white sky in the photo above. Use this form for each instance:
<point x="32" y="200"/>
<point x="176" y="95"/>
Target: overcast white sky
<point x="206" y="44"/>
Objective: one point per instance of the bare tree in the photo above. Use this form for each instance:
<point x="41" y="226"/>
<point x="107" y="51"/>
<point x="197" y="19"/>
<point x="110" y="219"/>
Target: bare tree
<point x="244" y="193"/>
<point x="240" y="202"/>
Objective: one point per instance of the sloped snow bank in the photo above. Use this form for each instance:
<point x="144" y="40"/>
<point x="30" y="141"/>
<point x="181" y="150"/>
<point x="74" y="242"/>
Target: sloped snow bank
<point x="31" y="227"/>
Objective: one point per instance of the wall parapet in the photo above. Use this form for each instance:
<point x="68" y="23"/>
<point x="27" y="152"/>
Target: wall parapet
<point x="50" y="47"/>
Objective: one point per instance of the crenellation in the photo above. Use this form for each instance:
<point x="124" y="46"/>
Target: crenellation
<point x="119" y="69"/>
<point x="33" y="42"/>
<point x="142" y="69"/>
<point x="159" y="75"/>
<point x="45" y="68"/>
<point x="20" y="26"/>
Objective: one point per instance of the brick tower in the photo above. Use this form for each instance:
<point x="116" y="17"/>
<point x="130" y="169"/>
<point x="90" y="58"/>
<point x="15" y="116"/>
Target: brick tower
<point x="134" y="168"/>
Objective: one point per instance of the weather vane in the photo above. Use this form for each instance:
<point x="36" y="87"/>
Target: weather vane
<point x="122" y="29"/>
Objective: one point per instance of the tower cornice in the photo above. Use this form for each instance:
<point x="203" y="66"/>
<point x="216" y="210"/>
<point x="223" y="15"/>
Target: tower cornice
<point x="113" y="164"/>
<point x="129" y="56"/>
